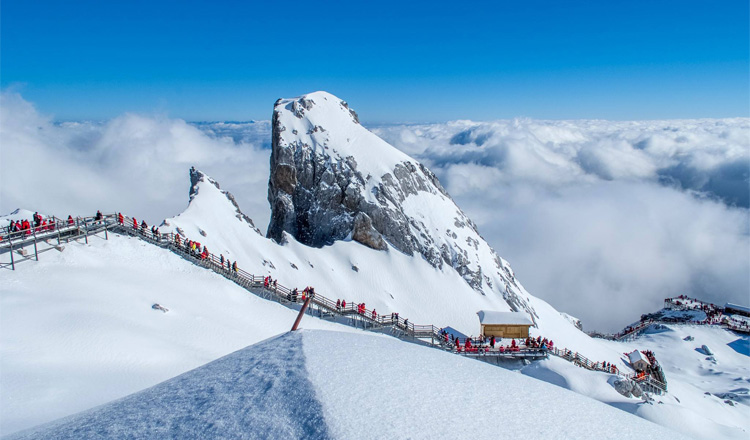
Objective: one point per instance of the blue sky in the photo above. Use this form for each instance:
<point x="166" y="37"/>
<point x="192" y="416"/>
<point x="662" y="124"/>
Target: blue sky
<point x="393" y="61"/>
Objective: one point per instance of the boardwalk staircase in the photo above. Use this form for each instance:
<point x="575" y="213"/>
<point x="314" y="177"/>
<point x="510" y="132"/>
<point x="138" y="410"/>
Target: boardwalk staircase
<point x="57" y="232"/>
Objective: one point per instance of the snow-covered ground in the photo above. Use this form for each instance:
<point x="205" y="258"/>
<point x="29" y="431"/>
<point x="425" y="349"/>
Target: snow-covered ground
<point x="322" y="384"/>
<point x="388" y="281"/>
<point x="700" y="386"/>
<point x="77" y="328"/>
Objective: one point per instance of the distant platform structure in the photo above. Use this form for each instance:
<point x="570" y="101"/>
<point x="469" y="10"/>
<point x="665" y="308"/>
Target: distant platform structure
<point x="734" y="309"/>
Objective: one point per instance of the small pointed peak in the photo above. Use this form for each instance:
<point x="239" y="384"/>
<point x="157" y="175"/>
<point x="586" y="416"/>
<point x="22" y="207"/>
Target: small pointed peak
<point x="197" y="177"/>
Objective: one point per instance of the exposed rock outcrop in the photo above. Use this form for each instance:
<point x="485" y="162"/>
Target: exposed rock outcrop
<point x="624" y="387"/>
<point x="367" y="235"/>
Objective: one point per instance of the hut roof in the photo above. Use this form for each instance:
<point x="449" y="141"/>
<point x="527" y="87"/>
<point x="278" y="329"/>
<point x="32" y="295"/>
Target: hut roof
<point x="507" y="318"/>
<point x="636" y="356"/>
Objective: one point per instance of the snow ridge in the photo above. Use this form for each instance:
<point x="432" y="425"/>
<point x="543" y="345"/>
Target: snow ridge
<point x="242" y="395"/>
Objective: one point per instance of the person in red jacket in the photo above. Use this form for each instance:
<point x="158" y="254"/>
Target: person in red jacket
<point x="120" y="218"/>
<point x="374" y="315"/>
<point x="343" y="304"/>
<point x="135" y="224"/>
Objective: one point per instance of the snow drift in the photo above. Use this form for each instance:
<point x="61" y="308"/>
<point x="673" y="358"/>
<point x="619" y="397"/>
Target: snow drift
<point x="313" y="384"/>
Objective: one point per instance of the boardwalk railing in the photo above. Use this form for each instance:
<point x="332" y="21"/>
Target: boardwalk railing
<point x="351" y="314"/>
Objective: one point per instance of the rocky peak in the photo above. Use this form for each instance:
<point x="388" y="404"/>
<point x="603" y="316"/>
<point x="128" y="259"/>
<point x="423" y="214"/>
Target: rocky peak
<point x="198" y="178"/>
<point x="332" y="179"/>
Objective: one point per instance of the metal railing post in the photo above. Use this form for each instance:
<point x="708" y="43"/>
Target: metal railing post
<point x="12" y="262"/>
<point x="36" y="252"/>
<point x="301" y="312"/>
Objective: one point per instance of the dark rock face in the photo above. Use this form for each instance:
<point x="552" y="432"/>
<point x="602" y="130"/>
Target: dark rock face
<point x="197" y="177"/>
<point x="367" y="235"/>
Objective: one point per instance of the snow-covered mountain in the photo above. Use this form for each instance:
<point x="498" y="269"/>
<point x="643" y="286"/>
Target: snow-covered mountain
<point x="359" y="221"/>
<point x="332" y="179"/>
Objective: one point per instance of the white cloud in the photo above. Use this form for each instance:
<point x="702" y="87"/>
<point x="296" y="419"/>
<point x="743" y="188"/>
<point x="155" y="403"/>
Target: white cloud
<point x="603" y="219"/>
<point x="132" y="163"/>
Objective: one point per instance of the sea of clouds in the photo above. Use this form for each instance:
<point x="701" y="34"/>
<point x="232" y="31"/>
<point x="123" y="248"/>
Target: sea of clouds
<point x="602" y="219"/>
<point x="601" y="216"/>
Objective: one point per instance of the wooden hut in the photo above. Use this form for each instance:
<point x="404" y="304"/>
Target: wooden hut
<point x="638" y="360"/>
<point x="504" y="324"/>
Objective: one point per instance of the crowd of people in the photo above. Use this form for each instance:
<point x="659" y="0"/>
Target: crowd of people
<point x="196" y="250"/>
<point x="715" y="315"/>
<point x="22" y="228"/>
<point x="482" y="343"/>
<point x="294" y="294"/>
<point x="654" y="369"/>
<point x="25" y="227"/>
<point x="361" y="309"/>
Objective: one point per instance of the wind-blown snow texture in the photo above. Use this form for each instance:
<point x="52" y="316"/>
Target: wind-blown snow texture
<point x="317" y="385"/>
<point x="77" y="329"/>
<point x="256" y="393"/>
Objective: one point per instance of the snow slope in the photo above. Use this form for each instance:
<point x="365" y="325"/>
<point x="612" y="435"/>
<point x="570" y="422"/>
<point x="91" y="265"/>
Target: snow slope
<point x="316" y="384"/>
<point x="709" y="397"/>
<point x="389" y="281"/>
<point x="77" y="328"/>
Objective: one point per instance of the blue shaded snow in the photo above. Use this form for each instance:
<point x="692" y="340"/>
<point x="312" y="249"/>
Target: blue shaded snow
<point x="741" y="346"/>
<point x="259" y="392"/>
